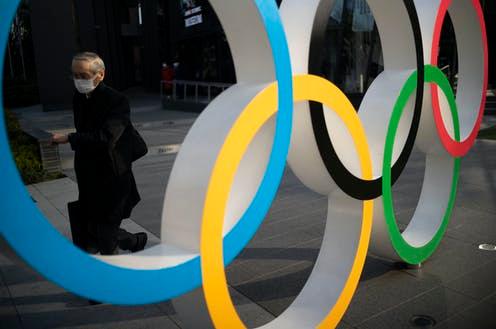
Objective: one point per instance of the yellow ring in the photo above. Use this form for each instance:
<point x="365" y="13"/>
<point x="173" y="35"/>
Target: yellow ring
<point x="257" y="112"/>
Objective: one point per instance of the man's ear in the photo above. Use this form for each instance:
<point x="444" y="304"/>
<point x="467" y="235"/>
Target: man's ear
<point x="100" y="76"/>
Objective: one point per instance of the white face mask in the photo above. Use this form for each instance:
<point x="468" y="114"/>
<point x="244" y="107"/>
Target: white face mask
<point x="85" y="86"/>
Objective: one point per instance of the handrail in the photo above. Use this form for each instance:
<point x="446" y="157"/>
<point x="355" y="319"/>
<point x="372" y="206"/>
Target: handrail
<point x="190" y="83"/>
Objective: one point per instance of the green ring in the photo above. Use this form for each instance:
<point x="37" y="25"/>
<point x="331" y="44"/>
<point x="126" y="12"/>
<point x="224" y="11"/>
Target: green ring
<point x="408" y="253"/>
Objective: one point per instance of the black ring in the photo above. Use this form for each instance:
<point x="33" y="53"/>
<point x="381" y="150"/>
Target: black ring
<point x="353" y="186"/>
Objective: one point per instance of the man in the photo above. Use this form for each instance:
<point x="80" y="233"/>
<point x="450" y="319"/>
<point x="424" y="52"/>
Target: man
<point x="167" y="78"/>
<point x="107" y="189"/>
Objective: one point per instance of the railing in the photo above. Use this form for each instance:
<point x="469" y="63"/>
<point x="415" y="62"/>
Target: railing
<point x="191" y="91"/>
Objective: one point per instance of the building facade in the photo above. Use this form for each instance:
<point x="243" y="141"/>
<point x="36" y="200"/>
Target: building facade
<point x="135" y="37"/>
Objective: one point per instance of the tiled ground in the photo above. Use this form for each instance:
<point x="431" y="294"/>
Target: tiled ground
<point x="456" y="287"/>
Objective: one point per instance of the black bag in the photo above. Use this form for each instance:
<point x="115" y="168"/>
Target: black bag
<point x="129" y="147"/>
<point x="138" y="145"/>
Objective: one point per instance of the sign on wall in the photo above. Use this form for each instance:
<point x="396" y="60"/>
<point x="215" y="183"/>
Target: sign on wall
<point x="192" y="12"/>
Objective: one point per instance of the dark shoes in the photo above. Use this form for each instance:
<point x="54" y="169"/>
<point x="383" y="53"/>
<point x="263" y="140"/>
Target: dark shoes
<point x="125" y="241"/>
<point x="141" y="240"/>
<point x="131" y="241"/>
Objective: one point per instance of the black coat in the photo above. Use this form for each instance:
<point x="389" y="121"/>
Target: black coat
<point x="107" y="189"/>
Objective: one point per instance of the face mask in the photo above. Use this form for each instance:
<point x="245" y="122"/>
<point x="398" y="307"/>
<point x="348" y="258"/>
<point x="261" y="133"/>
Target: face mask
<point x="84" y="86"/>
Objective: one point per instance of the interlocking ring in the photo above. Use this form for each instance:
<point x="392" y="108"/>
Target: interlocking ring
<point x="407" y="37"/>
<point x="175" y="263"/>
<point x="471" y="38"/>
<point x="340" y="253"/>
<point x="401" y="41"/>
<point x="226" y="176"/>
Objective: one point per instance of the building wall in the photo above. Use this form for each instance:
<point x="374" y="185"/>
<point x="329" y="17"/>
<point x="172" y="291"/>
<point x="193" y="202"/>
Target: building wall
<point x="63" y="27"/>
<point x="54" y="44"/>
<point x="202" y="49"/>
<point x="489" y="7"/>
<point x="151" y="58"/>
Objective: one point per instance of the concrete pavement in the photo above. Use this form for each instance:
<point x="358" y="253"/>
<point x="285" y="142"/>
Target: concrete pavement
<point x="456" y="287"/>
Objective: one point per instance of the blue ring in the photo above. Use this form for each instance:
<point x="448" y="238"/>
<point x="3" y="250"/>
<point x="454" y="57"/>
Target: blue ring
<point x="32" y="236"/>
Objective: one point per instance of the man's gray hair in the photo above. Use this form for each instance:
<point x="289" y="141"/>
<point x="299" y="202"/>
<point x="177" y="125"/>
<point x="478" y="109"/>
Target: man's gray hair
<point x="96" y="62"/>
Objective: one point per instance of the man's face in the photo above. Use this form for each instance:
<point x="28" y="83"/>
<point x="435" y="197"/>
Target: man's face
<point x="82" y="70"/>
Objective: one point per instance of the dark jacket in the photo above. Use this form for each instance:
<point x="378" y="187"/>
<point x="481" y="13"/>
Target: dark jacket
<point x="103" y="153"/>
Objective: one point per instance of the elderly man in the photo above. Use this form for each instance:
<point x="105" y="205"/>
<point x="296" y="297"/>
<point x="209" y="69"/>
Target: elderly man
<point x="103" y="156"/>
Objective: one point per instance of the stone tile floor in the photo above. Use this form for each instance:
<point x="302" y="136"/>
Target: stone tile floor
<point x="456" y="287"/>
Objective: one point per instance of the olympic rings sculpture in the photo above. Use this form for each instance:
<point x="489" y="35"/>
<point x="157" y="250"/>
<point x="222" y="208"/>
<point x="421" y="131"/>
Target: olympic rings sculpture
<point x="231" y="163"/>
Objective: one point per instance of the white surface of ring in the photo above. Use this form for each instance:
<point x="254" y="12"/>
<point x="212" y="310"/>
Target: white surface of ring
<point x="470" y="50"/>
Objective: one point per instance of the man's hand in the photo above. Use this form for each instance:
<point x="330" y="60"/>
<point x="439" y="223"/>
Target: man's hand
<point x="60" y="139"/>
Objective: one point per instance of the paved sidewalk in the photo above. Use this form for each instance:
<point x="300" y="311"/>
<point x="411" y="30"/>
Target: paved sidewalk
<point x="163" y="129"/>
<point x="456" y="287"/>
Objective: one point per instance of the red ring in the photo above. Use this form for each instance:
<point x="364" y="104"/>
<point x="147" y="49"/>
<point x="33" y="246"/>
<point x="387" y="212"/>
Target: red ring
<point x="457" y="149"/>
